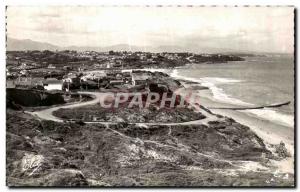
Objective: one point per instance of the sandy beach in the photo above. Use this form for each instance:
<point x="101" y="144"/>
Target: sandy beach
<point x="270" y="132"/>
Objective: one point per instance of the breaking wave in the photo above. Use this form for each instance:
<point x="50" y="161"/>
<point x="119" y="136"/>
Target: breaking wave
<point x="211" y="83"/>
<point x="272" y="115"/>
<point x="220" y="96"/>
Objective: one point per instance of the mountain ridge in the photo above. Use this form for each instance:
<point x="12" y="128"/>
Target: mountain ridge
<point x="28" y="44"/>
<point x="13" y="44"/>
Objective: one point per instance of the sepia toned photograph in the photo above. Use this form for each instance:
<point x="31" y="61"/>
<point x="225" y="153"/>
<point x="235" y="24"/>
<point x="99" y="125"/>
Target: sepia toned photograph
<point x="150" y="96"/>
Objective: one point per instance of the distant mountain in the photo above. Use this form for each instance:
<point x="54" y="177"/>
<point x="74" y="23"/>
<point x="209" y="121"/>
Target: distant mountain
<point x="27" y="44"/>
<point x="170" y="48"/>
<point x="124" y="47"/>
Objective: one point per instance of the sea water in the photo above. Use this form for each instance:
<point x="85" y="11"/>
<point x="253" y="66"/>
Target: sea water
<point x="254" y="82"/>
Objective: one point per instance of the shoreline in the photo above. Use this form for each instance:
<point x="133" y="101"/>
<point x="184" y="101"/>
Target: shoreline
<point x="271" y="133"/>
<point x="245" y="116"/>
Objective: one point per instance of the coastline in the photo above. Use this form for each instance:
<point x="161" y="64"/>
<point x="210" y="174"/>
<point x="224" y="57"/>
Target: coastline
<point x="271" y="133"/>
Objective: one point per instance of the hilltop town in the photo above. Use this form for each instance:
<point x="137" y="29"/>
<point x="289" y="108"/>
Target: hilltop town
<point x="65" y="70"/>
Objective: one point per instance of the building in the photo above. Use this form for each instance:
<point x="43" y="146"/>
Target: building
<point x="50" y="66"/>
<point x="23" y="66"/>
<point x="93" y="76"/>
<point x="108" y="65"/>
<point x="7" y="72"/>
<point x="34" y="64"/>
<point x="99" y="75"/>
<point x="67" y="68"/>
<point x="139" y="78"/>
<point x="10" y="84"/>
<point x="116" y="82"/>
<point x="23" y="72"/>
<point x="52" y="84"/>
<point x="37" y="81"/>
<point x="70" y="78"/>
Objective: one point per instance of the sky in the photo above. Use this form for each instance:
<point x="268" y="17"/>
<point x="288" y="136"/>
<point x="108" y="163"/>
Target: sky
<point x="260" y="29"/>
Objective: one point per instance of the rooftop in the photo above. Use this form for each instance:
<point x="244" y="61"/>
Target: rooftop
<point x="140" y="76"/>
<point x="52" y="81"/>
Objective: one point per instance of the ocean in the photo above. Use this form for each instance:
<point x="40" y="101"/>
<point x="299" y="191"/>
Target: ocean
<point x="256" y="81"/>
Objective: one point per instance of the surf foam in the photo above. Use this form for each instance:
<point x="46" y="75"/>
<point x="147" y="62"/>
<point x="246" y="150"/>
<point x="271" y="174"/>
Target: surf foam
<point x="220" y="96"/>
<point x="211" y="83"/>
<point x="272" y="115"/>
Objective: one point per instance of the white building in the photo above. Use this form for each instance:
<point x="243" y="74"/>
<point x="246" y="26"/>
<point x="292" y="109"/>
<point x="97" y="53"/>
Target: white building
<point x="69" y="78"/>
<point x="51" y="66"/>
<point x="23" y="72"/>
<point x="93" y="76"/>
<point x="52" y="84"/>
<point x="139" y="78"/>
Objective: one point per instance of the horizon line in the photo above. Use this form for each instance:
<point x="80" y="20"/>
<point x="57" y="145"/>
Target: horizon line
<point x="62" y="48"/>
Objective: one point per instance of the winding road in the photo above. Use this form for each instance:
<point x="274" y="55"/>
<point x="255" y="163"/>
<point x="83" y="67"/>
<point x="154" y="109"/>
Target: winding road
<point x="47" y="114"/>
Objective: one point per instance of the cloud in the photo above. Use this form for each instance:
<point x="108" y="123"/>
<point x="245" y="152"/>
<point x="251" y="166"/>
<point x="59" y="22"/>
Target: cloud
<point x="269" y="27"/>
<point x="49" y="15"/>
